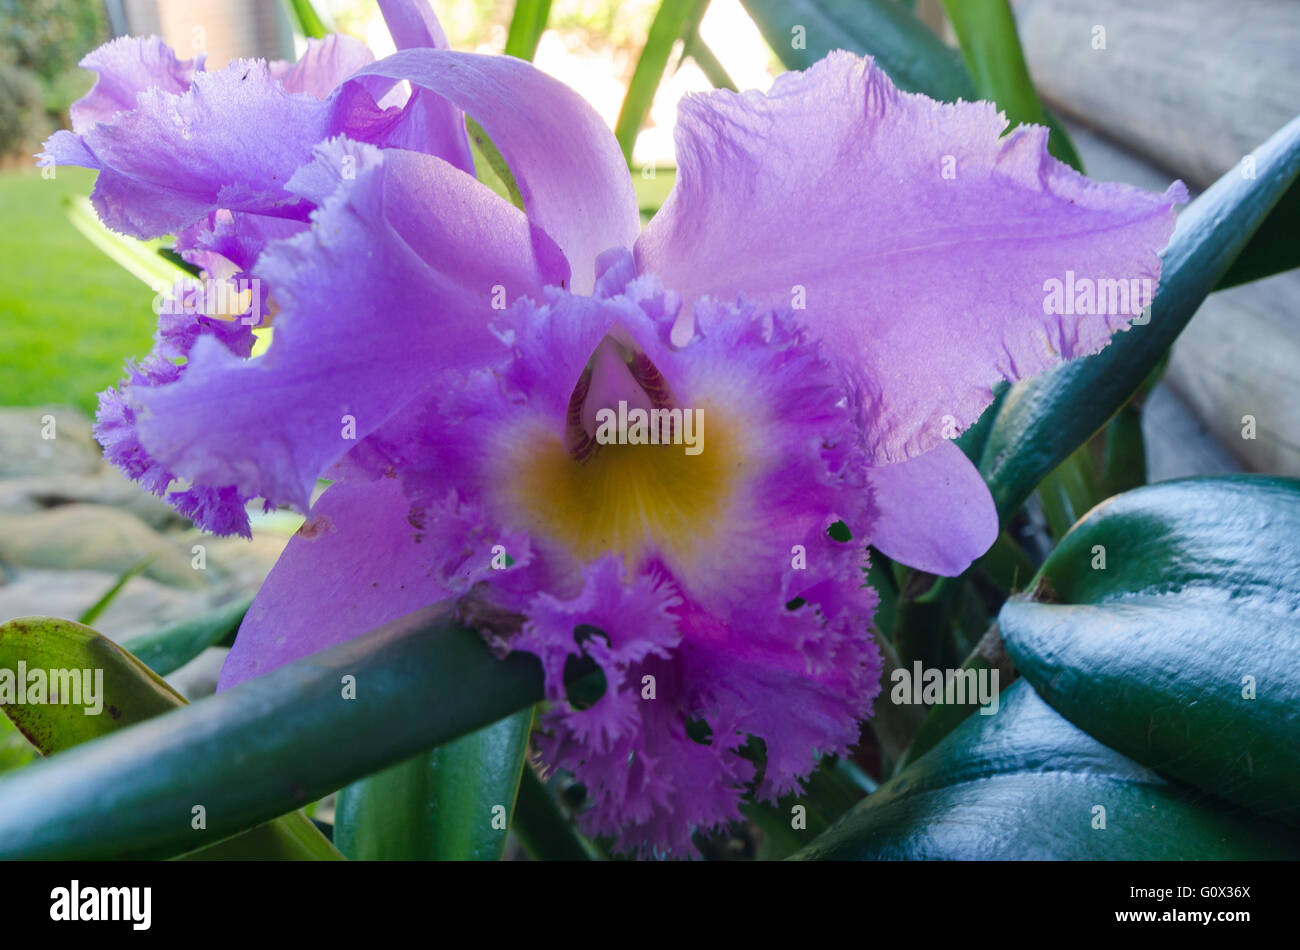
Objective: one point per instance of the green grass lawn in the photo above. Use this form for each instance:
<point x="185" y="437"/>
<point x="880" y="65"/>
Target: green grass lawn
<point x="69" y="315"/>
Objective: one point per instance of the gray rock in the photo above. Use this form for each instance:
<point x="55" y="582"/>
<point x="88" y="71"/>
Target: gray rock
<point x="107" y="486"/>
<point x="1178" y="444"/>
<point x="240" y="564"/>
<point x="198" y="677"/>
<point x="46" y="440"/>
<point x="141" y="606"/>
<point x="94" y="537"/>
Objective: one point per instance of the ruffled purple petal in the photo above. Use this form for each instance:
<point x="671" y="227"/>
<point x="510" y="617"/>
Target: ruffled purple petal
<point x="67" y="148"/>
<point x="216" y="507"/>
<point x="912" y="239"/>
<point x="393" y="285"/>
<point x="230" y="141"/>
<point x="128" y="66"/>
<point x="332" y="163"/>
<point x="226" y="243"/>
<point x="634" y="622"/>
<point x="650" y="784"/>
<point x="803" y="696"/>
<point x="936" y="513"/>
<point x="568" y="167"/>
<point x="327" y="62"/>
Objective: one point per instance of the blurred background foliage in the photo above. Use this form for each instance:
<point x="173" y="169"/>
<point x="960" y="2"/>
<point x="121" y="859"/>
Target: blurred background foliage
<point x="40" y="45"/>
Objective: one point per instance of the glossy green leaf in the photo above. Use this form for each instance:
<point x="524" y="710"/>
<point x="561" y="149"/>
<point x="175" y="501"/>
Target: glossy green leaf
<point x="170" y="648"/>
<point x="801" y="32"/>
<point x="1167" y="624"/>
<point x="451" y="804"/>
<point x="990" y="45"/>
<point x="115" y="691"/>
<point x="526" y="27"/>
<point x="1024" y="783"/>
<point x="667" y="28"/>
<point x="1043" y="419"/>
<point x="267" y="746"/>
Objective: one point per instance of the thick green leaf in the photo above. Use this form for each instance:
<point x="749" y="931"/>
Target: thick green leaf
<point x="801" y="32"/>
<point x="1183" y="650"/>
<point x="1070" y="490"/>
<point x="308" y="19"/>
<point x="1006" y="565"/>
<point x="797" y="819"/>
<point x="451" y="804"/>
<point x="991" y="48"/>
<point x="709" y="64"/>
<point x="291" y="837"/>
<point x="526" y="27"/>
<point x="1026" y="784"/>
<point x="166" y="650"/>
<point x="544" y="828"/>
<point x="1275" y="246"/>
<point x="1043" y="419"/>
<point x="141" y="259"/>
<point x="668" y="26"/>
<point x="942" y="718"/>
<point x="694" y="47"/>
<point x="490" y="166"/>
<point x="15" y="751"/>
<point x="267" y="746"/>
<point x="971" y="442"/>
<point x="1124" y="460"/>
<point x="123" y="691"/>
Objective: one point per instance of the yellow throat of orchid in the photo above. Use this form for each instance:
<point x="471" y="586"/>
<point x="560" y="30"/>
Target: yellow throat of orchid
<point x="605" y="485"/>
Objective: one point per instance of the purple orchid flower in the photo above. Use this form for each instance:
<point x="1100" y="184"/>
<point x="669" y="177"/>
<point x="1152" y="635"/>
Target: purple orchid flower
<point x="838" y="278"/>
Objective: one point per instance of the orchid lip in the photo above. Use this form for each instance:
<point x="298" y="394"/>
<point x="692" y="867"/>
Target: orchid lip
<point x="618" y="373"/>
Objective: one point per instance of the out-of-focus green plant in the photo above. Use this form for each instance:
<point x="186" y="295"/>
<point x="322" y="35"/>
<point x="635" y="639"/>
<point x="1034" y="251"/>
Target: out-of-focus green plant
<point x="22" y="115"/>
<point x="44" y="40"/>
<point x="49" y="37"/>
